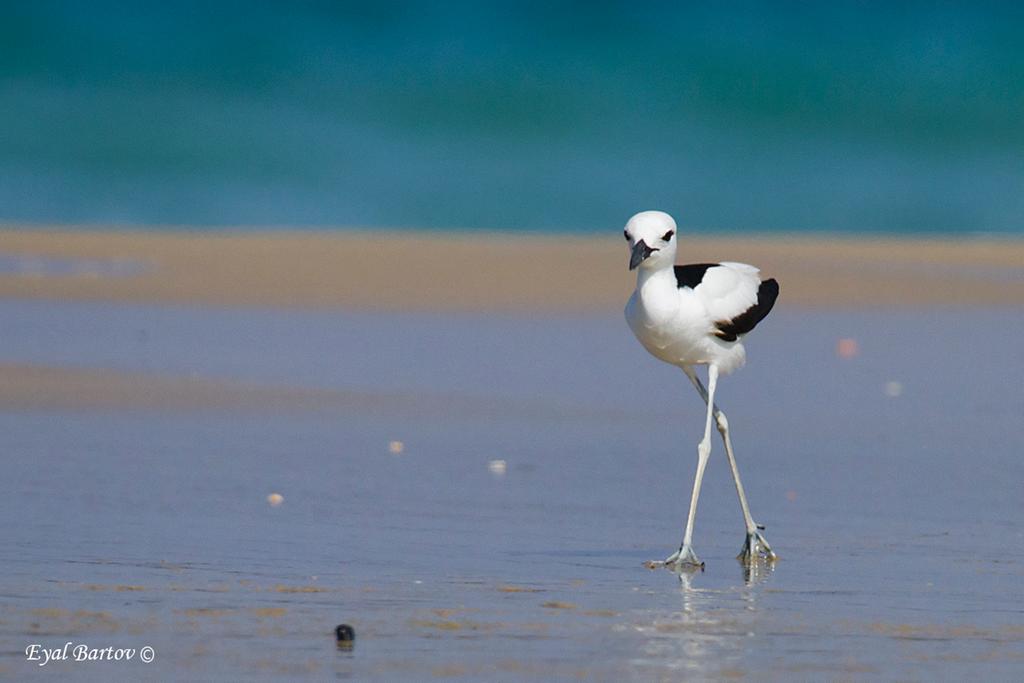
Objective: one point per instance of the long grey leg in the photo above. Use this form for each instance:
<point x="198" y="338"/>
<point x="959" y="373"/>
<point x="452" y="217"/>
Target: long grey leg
<point x="755" y="545"/>
<point x="685" y="555"/>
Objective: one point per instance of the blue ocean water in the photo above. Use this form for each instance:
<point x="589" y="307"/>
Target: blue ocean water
<point x="745" y="116"/>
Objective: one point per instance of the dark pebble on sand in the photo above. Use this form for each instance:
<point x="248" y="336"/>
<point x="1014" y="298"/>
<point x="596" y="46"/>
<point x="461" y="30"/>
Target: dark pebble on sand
<point x="345" y="634"/>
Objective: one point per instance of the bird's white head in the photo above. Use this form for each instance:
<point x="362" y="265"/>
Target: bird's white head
<point x="652" y="240"/>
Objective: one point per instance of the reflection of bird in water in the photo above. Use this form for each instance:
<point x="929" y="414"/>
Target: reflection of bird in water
<point x="756" y="572"/>
<point x="696" y="315"/>
<point x="705" y="636"/>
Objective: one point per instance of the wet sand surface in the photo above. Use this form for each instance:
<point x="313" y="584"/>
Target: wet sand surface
<point x="141" y="442"/>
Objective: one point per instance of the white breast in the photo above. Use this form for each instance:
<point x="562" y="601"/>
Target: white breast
<point x="677" y="325"/>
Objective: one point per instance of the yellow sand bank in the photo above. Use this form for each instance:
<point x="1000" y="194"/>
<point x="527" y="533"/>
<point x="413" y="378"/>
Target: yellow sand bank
<point x="391" y="270"/>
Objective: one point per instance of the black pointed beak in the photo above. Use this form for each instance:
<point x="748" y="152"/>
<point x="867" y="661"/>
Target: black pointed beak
<point x="640" y="252"/>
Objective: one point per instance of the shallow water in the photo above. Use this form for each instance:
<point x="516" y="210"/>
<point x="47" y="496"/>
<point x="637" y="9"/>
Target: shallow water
<point x="894" y="516"/>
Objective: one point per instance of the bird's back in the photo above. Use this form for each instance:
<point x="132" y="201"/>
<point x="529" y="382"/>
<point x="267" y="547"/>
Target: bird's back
<point x="733" y="294"/>
<point x="715" y="305"/>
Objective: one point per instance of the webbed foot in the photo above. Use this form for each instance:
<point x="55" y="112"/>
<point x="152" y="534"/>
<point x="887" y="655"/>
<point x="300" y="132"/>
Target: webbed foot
<point x="682" y="558"/>
<point x="756" y="548"/>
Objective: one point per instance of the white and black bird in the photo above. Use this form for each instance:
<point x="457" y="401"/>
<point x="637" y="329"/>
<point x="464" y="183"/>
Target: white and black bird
<point x="696" y="315"/>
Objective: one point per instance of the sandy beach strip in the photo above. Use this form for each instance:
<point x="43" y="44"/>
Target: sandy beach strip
<point x="44" y="387"/>
<point x="417" y="271"/>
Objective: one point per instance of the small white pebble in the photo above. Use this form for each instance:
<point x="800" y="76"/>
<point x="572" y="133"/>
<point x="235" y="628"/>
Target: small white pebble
<point x="396" y="447"/>
<point x="893" y="388"/>
<point x="275" y="499"/>
<point x="497" y="467"/>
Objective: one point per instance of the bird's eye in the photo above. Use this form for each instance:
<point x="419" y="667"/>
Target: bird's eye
<point x="667" y="236"/>
<point x="626" y="233"/>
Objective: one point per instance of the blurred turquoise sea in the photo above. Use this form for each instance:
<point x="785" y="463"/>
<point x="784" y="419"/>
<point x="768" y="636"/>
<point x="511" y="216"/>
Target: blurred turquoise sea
<point x="902" y="118"/>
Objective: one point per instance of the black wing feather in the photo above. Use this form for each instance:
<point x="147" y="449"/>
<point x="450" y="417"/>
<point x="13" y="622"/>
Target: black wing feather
<point x="691" y="275"/>
<point x="767" y="293"/>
